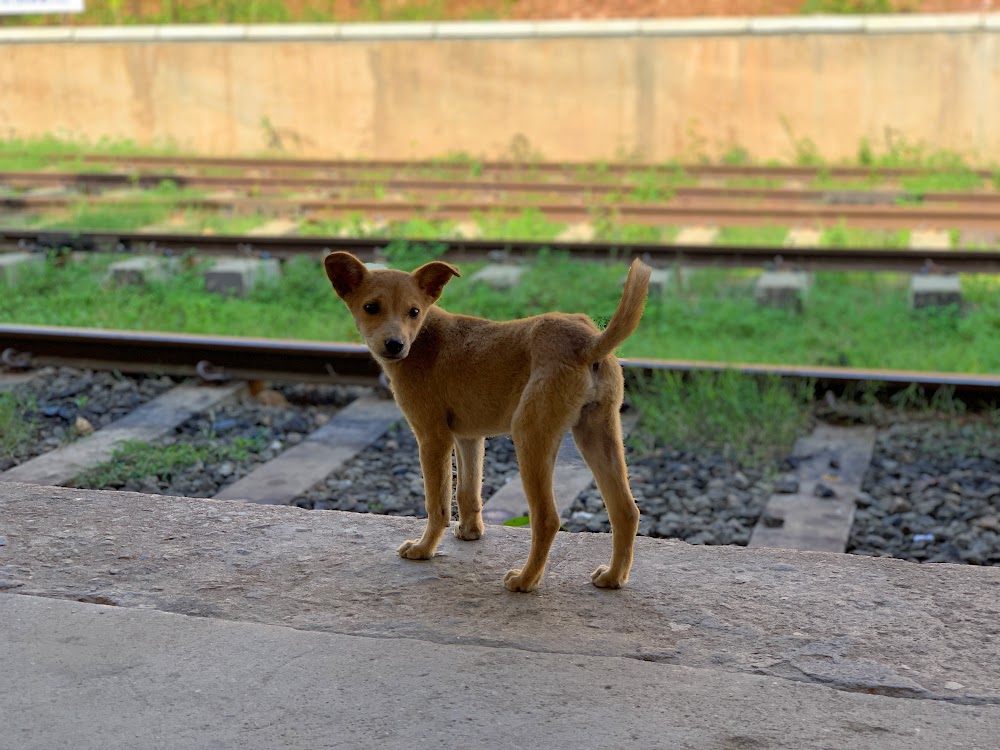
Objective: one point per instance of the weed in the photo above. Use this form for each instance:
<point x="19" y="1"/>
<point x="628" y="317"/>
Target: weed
<point x="736" y="156"/>
<point x="17" y="423"/>
<point x="134" y="459"/>
<point x="754" y="418"/>
<point x="750" y="236"/>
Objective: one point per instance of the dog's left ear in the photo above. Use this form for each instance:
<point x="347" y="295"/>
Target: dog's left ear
<point x="432" y="277"/>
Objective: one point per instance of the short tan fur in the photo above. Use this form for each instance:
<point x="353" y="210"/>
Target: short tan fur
<point x="460" y="379"/>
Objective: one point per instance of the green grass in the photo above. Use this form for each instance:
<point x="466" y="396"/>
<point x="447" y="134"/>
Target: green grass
<point x="842" y="236"/>
<point x="753" y="418"/>
<point x="17" y="427"/>
<point x="134" y="459"/>
<point x="148" y="207"/>
<point x="767" y="236"/>
<point x="862" y="319"/>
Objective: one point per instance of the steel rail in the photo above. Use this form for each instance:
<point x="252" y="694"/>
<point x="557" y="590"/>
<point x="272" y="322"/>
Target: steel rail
<point x="91" y="181"/>
<point x="224" y="357"/>
<point x="459" y="251"/>
<point x="529" y="167"/>
<point x="210" y="357"/>
<point x="721" y="213"/>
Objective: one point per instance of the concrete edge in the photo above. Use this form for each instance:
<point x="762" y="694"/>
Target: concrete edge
<point x="930" y="23"/>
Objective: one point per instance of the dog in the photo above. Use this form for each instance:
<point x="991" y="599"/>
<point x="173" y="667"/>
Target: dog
<point x="460" y="379"/>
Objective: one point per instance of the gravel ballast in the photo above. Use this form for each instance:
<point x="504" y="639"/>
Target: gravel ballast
<point x="932" y="494"/>
<point x="55" y="399"/>
<point x="236" y="438"/>
<point x="386" y="477"/>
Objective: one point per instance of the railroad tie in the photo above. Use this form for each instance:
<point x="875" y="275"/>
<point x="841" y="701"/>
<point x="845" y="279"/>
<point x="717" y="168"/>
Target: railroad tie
<point x="152" y="420"/>
<point x="14" y="379"/>
<point x="817" y="511"/>
<point x="291" y="474"/>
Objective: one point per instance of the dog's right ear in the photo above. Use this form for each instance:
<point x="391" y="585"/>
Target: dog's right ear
<point x="345" y="272"/>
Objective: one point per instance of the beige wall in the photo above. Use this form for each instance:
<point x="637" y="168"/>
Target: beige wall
<point x="574" y="98"/>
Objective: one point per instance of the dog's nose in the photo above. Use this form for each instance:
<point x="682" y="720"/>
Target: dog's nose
<point x="393" y="346"/>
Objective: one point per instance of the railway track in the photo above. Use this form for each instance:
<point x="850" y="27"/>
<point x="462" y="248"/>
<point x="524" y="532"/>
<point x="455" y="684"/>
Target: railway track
<point x="399" y="191"/>
<point x="359" y="450"/>
<point x="527" y="169"/>
<point x="459" y="250"/>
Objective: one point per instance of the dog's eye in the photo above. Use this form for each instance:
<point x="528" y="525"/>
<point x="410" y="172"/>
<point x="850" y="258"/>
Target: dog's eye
<point x="372" y="308"/>
<point x="414" y="312"/>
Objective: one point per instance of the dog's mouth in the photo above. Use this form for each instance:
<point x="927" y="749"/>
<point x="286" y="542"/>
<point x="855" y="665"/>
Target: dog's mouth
<point x="393" y="357"/>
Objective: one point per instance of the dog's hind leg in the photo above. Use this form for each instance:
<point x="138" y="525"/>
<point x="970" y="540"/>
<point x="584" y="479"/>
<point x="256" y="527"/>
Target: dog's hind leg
<point x="435" y="462"/>
<point x="598" y="435"/>
<point x="469" y="452"/>
<point x="536" y="444"/>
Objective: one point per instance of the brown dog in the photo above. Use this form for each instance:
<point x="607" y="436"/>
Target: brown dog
<point x="460" y="379"/>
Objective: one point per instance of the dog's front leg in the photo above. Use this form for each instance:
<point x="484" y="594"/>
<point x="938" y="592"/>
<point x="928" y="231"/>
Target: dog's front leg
<point x="435" y="462"/>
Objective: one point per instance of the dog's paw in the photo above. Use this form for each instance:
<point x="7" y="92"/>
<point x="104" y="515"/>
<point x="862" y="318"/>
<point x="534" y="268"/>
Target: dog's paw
<point x="515" y="581"/>
<point x="469" y="531"/>
<point x="603" y="579"/>
<point x="411" y="550"/>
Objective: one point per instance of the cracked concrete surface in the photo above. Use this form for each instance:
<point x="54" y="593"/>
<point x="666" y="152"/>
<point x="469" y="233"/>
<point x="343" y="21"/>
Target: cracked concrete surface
<point x="783" y="648"/>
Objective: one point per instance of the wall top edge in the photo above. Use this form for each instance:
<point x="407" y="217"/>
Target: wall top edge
<point x="944" y="23"/>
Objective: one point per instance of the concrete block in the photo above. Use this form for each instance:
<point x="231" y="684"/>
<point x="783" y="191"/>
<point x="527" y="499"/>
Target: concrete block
<point x="930" y="239"/>
<point x="803" y="238"/>
<point x="785" y="289"/>
<point x="141" y="269"/>
<point x="274" y="228"/>
<point x="577" y="233"/>
<point x="935" y="290"/>
<point x="237" y="276"/>
<point x="499" y="277"/>
<point x="468" y="230"/>
<point x="12" y="263"/>
<point x="697" y="236"/>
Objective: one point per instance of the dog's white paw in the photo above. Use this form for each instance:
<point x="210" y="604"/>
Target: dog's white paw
<point x="411" y="550"/>
<point x="469" y="531"/>
<point x="603" y="579"/>
<point x="515" y="581"/>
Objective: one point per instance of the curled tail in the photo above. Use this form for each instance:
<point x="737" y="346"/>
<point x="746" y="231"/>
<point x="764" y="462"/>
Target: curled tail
<point x="626" y="316"/>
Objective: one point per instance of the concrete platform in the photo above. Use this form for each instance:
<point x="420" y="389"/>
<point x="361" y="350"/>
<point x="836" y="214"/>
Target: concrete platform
<point x="252" y="626"/>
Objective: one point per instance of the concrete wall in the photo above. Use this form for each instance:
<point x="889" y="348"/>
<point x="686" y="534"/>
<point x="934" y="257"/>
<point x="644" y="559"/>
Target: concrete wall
<point x="566" y="90"/>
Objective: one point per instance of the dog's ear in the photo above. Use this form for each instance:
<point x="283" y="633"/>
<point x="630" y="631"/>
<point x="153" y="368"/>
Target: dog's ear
<point x="345" y="272"/>
<point x="432" y="277"/>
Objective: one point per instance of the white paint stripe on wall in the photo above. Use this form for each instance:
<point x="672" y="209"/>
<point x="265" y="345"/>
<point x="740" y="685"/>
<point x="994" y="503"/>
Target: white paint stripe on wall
<point x="943" y="23"/>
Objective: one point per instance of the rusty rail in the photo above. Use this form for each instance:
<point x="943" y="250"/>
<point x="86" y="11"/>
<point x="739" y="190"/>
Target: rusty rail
<point x="457" y="250"/>
<point x="222" y="357"/>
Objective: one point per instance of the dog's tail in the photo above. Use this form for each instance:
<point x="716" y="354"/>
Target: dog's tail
<point x="626" y="317"/>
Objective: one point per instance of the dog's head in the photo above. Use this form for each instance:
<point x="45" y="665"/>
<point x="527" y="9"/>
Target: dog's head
<point x="388" y="306"/>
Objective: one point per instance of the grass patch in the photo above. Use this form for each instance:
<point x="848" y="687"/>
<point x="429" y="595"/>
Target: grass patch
<point x="765" y="236"/>
<point x="843" y="236"/>
<point x="134" y="459"/>
<point x="755" y="419"/>
<point x="861" y="319"/>
<point x="17" y="425"/>
<point x="149" y="207"/>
